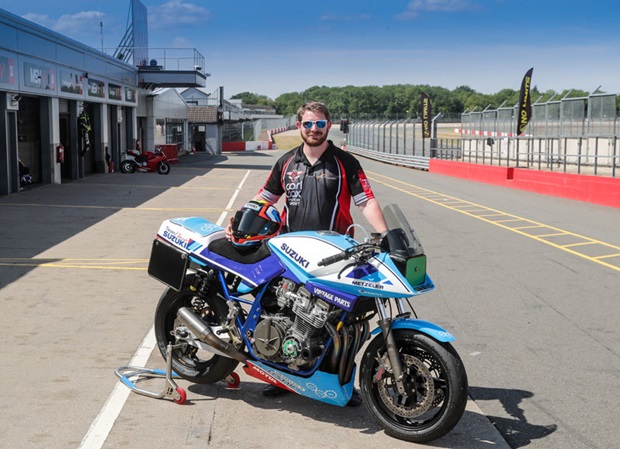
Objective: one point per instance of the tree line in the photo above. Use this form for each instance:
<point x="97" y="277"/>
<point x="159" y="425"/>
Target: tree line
<point x="400" y="100"/>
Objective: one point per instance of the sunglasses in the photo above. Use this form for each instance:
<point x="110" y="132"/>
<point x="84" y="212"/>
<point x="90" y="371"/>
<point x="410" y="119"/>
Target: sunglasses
<point x="308" y="124"/>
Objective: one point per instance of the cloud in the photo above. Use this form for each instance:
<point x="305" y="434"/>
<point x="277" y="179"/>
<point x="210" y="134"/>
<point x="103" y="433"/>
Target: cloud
<point x="177" y="12"/>
<point x="68" y="24"/>
<point x="415" y="6"/>
<point x="83" y="26"/>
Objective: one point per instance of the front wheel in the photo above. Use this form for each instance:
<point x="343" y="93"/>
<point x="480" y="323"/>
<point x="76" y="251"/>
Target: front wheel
<point x="189" y="362"/>
<point x="163" y="168"/>
<point x="435" y="383"/>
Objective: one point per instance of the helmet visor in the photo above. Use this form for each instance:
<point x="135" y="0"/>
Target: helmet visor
<point x="249" y="223"/>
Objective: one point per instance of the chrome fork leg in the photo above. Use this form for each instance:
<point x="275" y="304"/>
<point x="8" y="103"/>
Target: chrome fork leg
<point x="390" y="344"/>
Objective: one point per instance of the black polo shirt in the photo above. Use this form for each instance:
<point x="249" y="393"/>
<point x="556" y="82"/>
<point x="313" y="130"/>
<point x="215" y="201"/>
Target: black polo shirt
<point x="318" y="197"/>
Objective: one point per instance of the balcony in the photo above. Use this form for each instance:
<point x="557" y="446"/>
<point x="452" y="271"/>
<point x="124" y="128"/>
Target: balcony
<point x="165" y="67"/>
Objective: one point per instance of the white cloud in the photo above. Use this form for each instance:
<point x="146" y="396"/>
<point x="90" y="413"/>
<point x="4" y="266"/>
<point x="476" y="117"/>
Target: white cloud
<point x="176" y="13"/>
<point x="83" y="26"/>
<point x="415" y="6"/>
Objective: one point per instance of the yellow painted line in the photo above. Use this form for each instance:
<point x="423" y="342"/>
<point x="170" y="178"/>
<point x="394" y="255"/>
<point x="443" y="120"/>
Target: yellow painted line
<point x="551" y="235"/>
<point x="608" y="256"/>
<point x="579" y="244"/>
<point x="394" y="184"/>
<point x="90" y="264"/>
<point x="79" y="206"/>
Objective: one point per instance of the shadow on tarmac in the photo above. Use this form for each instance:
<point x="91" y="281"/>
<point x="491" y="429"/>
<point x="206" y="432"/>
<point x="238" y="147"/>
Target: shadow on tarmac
<point x="517" y="431"/>
<point x="38" y="219"/>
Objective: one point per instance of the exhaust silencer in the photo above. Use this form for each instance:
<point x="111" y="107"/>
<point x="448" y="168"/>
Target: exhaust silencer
<point x="204" y="332"/>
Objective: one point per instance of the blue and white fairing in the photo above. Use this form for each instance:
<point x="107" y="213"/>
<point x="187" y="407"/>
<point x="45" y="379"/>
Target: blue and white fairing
<point x="193" y="235"/>
<point x="296" y="256"/>
<point x="301" y="252"/>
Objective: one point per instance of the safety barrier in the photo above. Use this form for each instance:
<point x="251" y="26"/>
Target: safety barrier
<point x="271" y="132"/>
<point x="419" y="162"/>
<point x="247" y="146"/>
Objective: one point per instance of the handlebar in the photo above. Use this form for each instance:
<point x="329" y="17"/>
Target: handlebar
<point x="333" y="259"/>
<point x="368" y="248"/>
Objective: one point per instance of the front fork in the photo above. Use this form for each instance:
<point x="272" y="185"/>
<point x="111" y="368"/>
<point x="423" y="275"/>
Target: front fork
<point x="385" y="322"/>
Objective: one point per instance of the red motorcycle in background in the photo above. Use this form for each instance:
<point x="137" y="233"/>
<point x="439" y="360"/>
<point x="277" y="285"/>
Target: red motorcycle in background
<point x="147" y="161"/>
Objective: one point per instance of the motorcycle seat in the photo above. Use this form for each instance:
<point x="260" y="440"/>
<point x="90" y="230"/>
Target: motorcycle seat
<point x="240" y="254"/>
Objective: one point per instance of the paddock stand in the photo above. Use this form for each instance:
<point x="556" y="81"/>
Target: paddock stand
<point x="171" y="389"/>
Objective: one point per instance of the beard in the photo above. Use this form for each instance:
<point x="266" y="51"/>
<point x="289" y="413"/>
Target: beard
<point x="314" y="140"/>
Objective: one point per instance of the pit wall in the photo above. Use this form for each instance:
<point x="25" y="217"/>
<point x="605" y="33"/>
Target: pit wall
<point x="592" y="189"/>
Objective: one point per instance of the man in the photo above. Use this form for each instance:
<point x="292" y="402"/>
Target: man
<point x="319" y="180"/>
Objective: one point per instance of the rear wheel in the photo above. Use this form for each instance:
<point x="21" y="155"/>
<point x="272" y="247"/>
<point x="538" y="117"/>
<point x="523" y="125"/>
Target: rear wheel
<point x="127" y="167"/>
<point x="189" y="362"/>
<point x="435" y="383"/>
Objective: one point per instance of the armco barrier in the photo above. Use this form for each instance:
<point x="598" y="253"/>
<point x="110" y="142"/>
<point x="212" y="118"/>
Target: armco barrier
<point x="246" y="146"/>
<point x="591" y="189"/>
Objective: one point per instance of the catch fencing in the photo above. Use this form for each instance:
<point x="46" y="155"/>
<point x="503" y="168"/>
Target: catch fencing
<point x="572" y="135"/>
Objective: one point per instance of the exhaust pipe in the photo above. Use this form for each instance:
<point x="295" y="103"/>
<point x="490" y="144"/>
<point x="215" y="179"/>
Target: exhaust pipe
<point x="204" y="332"/>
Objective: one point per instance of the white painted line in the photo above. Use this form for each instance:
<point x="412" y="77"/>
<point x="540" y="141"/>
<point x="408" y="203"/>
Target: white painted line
<point x="101" y="426"/>
<point x="232" y="199"/>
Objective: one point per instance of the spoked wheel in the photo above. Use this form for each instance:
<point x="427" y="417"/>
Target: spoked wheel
<point x="189" y="361"/>
<point x="163" y="168"/>
<point x="435" y="384"/>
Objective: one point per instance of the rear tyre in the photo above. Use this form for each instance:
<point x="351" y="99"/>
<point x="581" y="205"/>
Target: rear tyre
<point x="197" y="366"/>
<point x="127" y="167"/>
<point x="435" y="381"/>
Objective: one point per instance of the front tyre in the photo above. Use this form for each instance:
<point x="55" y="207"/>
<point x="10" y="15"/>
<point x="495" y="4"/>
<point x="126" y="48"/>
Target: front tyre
<point x="189" y="362"/>
<point x="163" y="168"/>
<point x="435" y="380"/>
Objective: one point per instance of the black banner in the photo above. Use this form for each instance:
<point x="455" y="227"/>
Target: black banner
<point x="426" y="116"/>
<point x="525" y="103"/>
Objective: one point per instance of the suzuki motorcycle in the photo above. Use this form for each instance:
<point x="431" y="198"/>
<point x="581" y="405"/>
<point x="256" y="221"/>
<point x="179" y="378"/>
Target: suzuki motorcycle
<point x="147" y="161"/>
<point x="297" y="310"/>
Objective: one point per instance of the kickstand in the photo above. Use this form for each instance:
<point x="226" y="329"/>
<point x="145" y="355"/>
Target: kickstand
<point x="171" y="389"/>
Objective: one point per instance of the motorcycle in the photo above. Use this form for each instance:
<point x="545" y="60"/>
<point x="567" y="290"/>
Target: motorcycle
<point x="295" y="312"/>
<point x="147" y="161"/>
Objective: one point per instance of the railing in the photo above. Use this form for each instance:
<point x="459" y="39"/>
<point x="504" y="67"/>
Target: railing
<point x="400" y="143"/>
<point x="182" y="59"/>
<point x="582" y="155"/>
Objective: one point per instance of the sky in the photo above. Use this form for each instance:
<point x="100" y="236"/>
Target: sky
<point x="279" y="46"/>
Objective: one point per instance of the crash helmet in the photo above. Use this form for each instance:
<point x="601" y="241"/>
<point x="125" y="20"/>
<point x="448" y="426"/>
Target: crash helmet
<point x="255" y="222"/>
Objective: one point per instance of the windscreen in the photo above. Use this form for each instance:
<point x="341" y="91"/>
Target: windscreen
<point x="394" y="219"/>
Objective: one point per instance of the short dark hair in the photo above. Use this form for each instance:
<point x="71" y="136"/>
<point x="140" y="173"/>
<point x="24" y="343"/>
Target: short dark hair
<point x="313" y="106"/>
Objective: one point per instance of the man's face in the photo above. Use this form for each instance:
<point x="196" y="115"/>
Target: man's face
<point x="311" y="132"/>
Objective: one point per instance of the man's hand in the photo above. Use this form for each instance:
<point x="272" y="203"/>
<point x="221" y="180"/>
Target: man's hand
<point x="228" y="230"/>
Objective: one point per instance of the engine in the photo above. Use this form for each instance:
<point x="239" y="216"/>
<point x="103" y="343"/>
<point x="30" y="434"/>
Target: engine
<point x="295" y="334"/>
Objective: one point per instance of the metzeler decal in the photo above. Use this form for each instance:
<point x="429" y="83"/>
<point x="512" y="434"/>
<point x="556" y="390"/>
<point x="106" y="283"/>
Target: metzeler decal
<point x="368" y="285"/>
<point x="293" y="255"/>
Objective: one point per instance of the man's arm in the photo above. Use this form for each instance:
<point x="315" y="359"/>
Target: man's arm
<point x="372" y="212"/>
